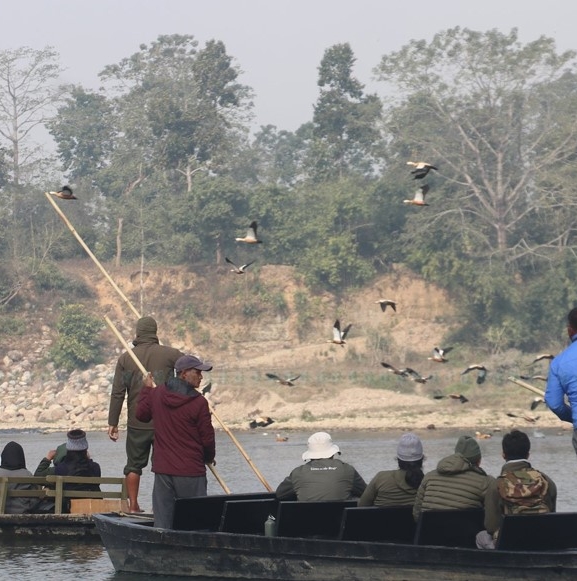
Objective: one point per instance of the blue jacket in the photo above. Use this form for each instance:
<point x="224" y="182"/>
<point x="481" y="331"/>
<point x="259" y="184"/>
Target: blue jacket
<point x="562" y="381"/>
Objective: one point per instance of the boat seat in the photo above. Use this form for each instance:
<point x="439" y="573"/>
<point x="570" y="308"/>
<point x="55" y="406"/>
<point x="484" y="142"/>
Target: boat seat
<point x="387" y="524"/>
<point x="311" y="519"/>
<point x="247" y="516"/>
<point x="205" y="512"/>
<point x="449" y="528"/>
<point x="538" y="532"/>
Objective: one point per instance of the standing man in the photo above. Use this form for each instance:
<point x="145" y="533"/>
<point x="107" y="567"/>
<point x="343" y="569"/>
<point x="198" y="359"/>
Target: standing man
<point x="562" y="380"/>
<point x="159" y="360"/>
<point x="183" y="437"/>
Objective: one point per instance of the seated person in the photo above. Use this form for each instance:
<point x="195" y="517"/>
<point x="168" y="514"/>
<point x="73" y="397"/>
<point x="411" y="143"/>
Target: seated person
<point x="398" y="487"/>
<point x="323" y="477"/>
<point x="520" y="489"/>
<point x="458" y="482"/>
<point x="77" y="462"/>
<point x="53" y="457"/>
<point x="13" y="463"/>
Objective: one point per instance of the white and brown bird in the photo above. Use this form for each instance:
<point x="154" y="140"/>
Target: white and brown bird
<point x="439" y="354"/>
<point x="530" y="419"/>
<point x="422" y="168"/>
<point x="457" y="396"/>
<point x="283" y="381"/>
<point x="392" y="369"/>
<point x="387" y="303"/>
<point x="416" y="376"/>
<point x="542" y="357"/>
<point x="260" y="422"/>
<point x="280" y="438"/>
<point x="65" y="193"/>
<point x="418" y="197"/>
<point x="238" y="269"/>
<point x="481" y="372"/>
<point x="251" y="235"/>
<point x="338" y="335"/>
<point x="482" y="436"/>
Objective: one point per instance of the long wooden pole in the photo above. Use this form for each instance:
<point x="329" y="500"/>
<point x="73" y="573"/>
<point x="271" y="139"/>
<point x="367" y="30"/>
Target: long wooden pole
<point x="145" y="372"/>
<point x="527" y="386"/>
<point x="89" y="252"/>
<point x="133" y="309"/>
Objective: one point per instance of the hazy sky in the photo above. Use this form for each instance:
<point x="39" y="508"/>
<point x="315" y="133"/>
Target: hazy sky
<point x="278" y="44"/>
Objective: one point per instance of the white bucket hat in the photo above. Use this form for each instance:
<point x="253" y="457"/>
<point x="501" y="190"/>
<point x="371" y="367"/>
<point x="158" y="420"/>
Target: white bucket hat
<point x="320" y="445"/>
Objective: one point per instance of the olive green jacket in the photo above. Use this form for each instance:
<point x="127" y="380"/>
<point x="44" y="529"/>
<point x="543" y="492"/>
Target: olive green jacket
<point x="388" y="488"/>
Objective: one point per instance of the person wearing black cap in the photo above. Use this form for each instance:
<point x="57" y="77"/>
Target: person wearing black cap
<point x="13" y="463"/>
<point x="183" y="436"/>
<point x="158" y="360"/>
<point x="458" y="482"/>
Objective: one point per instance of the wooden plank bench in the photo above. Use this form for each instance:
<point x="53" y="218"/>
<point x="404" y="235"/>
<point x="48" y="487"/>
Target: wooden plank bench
<point x="204" y="513"/>
<point x="450" y="528"/>
<point x="311" y="519"/>
<point x="247" y="516"/>
<point x="81" y="501"/>
<point x="390" y="524"/>
<point x="538" y="532"/>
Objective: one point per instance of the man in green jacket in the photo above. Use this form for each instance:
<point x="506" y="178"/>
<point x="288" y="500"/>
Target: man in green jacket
<point x="458" y="482"/>
<point x="158" y="360"/>
<point x="323" y="477"/>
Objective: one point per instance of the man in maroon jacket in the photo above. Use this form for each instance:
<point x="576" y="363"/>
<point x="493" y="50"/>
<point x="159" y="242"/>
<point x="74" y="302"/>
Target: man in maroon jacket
<point x="183" y="436"/>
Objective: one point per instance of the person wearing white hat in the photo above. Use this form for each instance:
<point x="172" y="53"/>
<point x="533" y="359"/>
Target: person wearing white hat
<point x="398" y="487"/>
<point x="323" y="477"/>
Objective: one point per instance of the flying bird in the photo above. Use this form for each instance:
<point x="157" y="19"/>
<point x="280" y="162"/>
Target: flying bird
<point x="481" y="375"/>
<point x="387" y="303"/>
<point x="338" y="336"/>
<point x="422" y="168"/>
<point x="530" y="377"/>
<point x="206" y="389"/>
<point x="459" y="396"/>
<point x="288" y="381"/>
<point x="417" y="377"/>
<point x="280" y="438"/>
<point x="439" y="354"/>
<point x="251" y="237"/>
<point x="238" y="269"/>
<point x="260" y="422"/>
<point x="388" y="367"/>
<point x="418" y="197"/>
<point x="481" y="436"/>
<point x="543" y="356"/>
<point x="536" y="402"/>
<point x="65" y="194"/>
<point x="530" y="419"/>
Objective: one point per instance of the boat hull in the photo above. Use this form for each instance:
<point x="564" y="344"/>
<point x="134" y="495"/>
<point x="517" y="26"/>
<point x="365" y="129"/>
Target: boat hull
<point x="135" y="548"/>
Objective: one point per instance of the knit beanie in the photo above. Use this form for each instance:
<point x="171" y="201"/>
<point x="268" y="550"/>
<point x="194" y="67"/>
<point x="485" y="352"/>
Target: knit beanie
<point x="468" y="448"/>
<point x="409" y="448"/>
<point x="76" y="441"/>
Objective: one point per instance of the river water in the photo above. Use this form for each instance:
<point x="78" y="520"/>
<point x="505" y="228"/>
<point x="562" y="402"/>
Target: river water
<point x="369" y="452"/>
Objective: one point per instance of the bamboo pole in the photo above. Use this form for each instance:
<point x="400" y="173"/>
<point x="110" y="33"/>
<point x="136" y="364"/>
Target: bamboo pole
<point x="527" y="386"/>
<point x="89" y="252"/>
<point x="145" y="372"/>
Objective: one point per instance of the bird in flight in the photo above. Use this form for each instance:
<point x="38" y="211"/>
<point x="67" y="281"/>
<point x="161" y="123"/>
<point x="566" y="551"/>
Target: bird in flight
<point x="260" y="422"/>
<point x="238" y="269"/>
<point x="543" y="356"/>
<point x="338" y="335"/>
<point x="422" y="168"/>
<point x="387" y="303"/>
<point x="206" y="389"/>
<point x="530" y="419"/>
<point x="459" y="396"/>
<point x="288" y="381"/>
<point x="536" y="402"/>
<point x="482" y="436"/>
<point x="65" y="193"/>
<point x="251" y="237"/>
<point x="530" y="377"/>
<point x="280" y="438"/>
<point x="418" y="197"/>
<point x="392" y="369"/>
<point x="481" y="375"/>
<point x="439" y="354"/>
<point x="417" y="377"/>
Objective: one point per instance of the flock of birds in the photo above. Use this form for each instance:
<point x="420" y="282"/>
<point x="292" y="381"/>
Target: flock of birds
<point x="420" y="171"/>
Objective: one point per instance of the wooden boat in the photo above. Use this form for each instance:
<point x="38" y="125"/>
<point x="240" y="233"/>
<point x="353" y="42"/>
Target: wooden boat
<point x="77" y="523"/>
<point x="363" y="547"/>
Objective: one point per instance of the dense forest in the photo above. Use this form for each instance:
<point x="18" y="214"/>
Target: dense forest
<point x="166" y="170"/>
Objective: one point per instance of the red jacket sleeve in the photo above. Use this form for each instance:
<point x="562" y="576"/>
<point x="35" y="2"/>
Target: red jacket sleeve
<point x="144" y="407"/>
